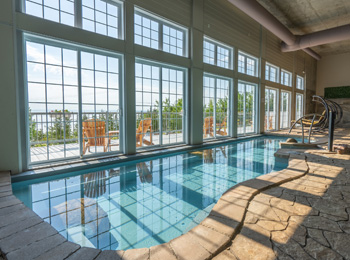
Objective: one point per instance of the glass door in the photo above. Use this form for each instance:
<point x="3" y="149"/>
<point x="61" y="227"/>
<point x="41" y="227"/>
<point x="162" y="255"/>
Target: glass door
<point x="285" y="110"/>
<point x="73" y="101"/>
<point x="215" y="107"/>
<point x="246" y="108"/>
<point x="270" y="109"/>
<point x="299" y="106"/>
<point x="159" y="104"/>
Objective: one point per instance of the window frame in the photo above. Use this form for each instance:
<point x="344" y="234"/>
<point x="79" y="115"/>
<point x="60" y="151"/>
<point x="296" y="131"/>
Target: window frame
<point x="283" y="74"/>
<point x="218" y="45"/>
<point x="229" y="105"/>
<point x="79" y="49"/>
<point x="289" y="109"/>
<point x="255" y="106"/>
<point x="277" y="109"/>
<point x="302" y="105"/>
<point x="162" y="65"/>
<point x="78" y="15"/>
<point x="268" y="67"/>
<point x="303" y="82"/>
<point x="161" y="22"/>
<point x="246" y="56"/>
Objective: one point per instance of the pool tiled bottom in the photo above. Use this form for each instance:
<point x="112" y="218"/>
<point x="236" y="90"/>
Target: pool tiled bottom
<point x="146" y="203"/>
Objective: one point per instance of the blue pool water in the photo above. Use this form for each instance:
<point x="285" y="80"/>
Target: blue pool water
<point x="146" y="203"/>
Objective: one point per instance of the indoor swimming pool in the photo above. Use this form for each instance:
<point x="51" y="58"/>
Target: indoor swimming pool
<point x="149" y="202"/>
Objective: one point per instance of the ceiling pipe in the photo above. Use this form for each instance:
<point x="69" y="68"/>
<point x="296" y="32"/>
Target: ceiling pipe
<point x="337" y="34"/>
<point x="257" y="12"/>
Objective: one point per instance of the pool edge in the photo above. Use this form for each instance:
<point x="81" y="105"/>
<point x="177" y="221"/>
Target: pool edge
<point x="202" y="242"/>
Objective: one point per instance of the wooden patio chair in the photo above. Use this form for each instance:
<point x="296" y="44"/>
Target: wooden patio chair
<point x="222" y="127"/>
<point x="208" y="127"/>
<point x="144" y="172"/>
<point x="94" y="132"/>
<point x="144" y="126"/>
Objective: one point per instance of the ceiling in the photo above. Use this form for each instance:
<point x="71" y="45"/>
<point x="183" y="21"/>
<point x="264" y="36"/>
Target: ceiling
<point x="307" y="16"/>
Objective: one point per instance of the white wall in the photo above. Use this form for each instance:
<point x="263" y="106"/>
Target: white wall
<point x="217" y="19"/>
<point x="333" y="71"/>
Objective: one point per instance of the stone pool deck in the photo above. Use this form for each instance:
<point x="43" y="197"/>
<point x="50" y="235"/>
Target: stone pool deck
<point x="301" y="212"/>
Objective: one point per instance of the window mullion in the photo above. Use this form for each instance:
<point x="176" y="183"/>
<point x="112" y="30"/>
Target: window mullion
<point x="160" y="33"/>
<point x="161" y="105"/>
<point x="80" y="107"/>
<point x="215" y="101"/>
<point x="78" y="13"/>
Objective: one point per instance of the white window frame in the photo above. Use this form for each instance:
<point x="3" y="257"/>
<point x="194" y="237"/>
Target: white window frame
<point x="229" y="104"/>
<point x="302" y="105"/>
<point x="276" y="125"/>
<point x="268" y="67"/>
<point x="162" y="65"/>
<point x="218" y="45"/>
<point x="302" y="79"/>
<point x="78" y="15"/>
<point x="246" y="55"/>
<point x="163" y="21"/>
<point x="255" y="105"/>
<point x="289" y="109"/>
<point x="283" y="74"/>
<point x="79" y="49"/>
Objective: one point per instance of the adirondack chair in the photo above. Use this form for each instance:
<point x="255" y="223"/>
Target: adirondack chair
<point x="222" y="127"/>
<point x="144" y="172"/>
<point x="144" y="126"/>
<point x="94" y="134"/>
<point x="208" y="127"/>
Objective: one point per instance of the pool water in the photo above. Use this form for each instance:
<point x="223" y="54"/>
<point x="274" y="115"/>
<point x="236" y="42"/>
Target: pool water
<point x="146" y="203"/>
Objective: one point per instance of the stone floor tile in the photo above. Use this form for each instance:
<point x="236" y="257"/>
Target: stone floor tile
<point x="222" y="225"/>
<point x="6" y="188"/>
<point x="253" y="241"/>
<point x="208" y="238"/>
<point x="16" y="216"/>
<point x="19" y="226"/>
<point x="293" y="249"/>
<point x="37" y="248"/>
<point x="225" y="255"/>
<point x="186" y="249"/>
<point x="60" y="252"/>
<point x="161" y="252"/>
<point x="84" y="253"/>
<point x="339" y="242"/>
<point x="11" y="209"/>
<point x="136" y="254"/>
<point x="320" y="252"/>
<point x="10" y="202"/>
<point x="110" y="255"/>
<point x="317" y="235"/>
<point x="26" y="237"/>
<point x="272" y="225"/>
<point x="321" y="223"/>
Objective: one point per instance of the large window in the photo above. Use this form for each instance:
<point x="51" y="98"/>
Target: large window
<point x="157" y="33"/>
<point x="299" y="106"/>
<point x="300" y="83"/>
<point x="100" y="16"/>
<point x="285" y="110"/>
<point x="271" y="109"/>
<point x="159" y="104"/>
<point x="246" y="108"/>
<point x="73" y="101"/>
<point x="286" y="78"/>
<point x="218" y="54"/>
<point x="271" y="72"/>
<point x="215" y="106"/>
<point x="247" y="64"/>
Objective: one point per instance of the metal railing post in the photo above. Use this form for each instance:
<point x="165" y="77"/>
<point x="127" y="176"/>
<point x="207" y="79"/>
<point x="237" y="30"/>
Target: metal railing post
<point x="332" y="116"/>
<point x="310" y="130"/>
<point x="302" y="129"/>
